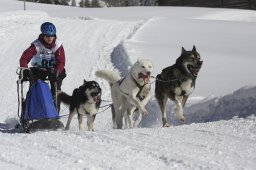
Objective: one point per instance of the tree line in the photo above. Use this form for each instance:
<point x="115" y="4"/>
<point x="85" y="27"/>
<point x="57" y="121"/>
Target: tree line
<point x="246" y="4"/>
<point x="98" y="3"/>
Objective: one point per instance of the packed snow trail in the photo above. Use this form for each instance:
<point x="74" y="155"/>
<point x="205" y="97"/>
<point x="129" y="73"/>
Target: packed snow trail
<point x="216" y="145"/>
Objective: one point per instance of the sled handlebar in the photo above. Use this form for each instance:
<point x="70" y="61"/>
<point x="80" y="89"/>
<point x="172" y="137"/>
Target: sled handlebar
<point x="20" y="72"/>
<point x="23" y="77"/>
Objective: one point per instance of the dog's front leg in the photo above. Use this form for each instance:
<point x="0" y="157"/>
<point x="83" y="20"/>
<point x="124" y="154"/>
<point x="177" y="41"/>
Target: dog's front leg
<point x="146" y="100"/>
<point x="179" y="108"/>
<point x="138" y="118"/>
<point x="138" y="104"/>
<point x="129" y="116"/>
<point x="126" y="120"/>
<point x="113" y="116"/>
<point x="90" y="120"/>
<point x="120" y="117"/>
<point x="162" y="100"/>
<point x="71" y="114"/>
<point x="138" y="112"/>
<point x="80" y="121"/>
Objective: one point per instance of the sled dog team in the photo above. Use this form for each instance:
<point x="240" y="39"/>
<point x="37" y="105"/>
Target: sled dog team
<point x="131" y="93"/>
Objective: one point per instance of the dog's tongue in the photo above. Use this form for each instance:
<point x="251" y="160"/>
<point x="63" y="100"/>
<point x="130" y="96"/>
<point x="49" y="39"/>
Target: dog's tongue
<point x="144" y="77"/>
<point x="96" y="98"/>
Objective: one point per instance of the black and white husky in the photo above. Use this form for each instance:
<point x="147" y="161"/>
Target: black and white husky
<point x="129" y="93"/>
<point x="177" y="82"/>
<point x="85" y="100"/>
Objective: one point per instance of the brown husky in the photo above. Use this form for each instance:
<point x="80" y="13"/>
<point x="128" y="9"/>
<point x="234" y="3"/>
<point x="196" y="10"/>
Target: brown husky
<point x="177" y="82"/>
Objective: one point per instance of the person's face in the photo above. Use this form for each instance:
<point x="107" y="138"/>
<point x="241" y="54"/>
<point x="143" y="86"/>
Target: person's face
<point x="48" y="38"/>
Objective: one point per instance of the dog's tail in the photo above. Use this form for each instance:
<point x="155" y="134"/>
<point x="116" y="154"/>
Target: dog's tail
<point x="65" y="98"/>
<point x="108" y="75"/>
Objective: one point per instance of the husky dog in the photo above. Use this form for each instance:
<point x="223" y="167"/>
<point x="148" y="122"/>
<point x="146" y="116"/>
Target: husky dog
<point x="129" y="93"/>
<point x="85" y="100"/>
<point x="177" y="82"/>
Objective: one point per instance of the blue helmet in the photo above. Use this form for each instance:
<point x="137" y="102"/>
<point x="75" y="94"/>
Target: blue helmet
<point x="48" y="28"/>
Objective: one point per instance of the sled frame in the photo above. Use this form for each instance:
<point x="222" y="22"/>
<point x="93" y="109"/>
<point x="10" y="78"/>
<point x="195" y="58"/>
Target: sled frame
<point x="22" y="100"/>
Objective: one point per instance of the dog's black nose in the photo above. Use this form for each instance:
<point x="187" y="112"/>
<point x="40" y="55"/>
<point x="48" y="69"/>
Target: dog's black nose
<point x="93" y="94"/>
<point x="148" y="73"/>
<point x="200" y="63"/>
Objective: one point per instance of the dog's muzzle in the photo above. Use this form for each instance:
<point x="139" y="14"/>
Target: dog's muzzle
<point x="194" y="69"/>
<point x="96" y="96"/>
<point x="145" y="77"/>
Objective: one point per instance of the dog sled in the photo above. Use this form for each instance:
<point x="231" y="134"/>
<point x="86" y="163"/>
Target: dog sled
<point x="37" y="109"/>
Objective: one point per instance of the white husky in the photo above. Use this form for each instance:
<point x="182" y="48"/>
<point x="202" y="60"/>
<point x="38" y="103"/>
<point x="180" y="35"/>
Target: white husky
<point x="129" y="93"/>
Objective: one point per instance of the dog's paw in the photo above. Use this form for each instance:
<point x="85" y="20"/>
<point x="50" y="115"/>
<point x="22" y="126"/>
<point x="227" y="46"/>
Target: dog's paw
<point x="144" y="111"/>
<point x="182" y="119"/>
<point x="166" y="125"/>
<point x="91" y="130"/>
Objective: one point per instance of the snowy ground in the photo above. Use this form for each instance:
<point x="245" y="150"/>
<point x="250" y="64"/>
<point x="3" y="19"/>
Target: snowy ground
<point x="220" y="132"/>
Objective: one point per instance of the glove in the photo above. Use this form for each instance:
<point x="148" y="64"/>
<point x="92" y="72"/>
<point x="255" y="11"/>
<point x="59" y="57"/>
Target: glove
<point x="53" y="75"/>
<point x="26" y="74"/>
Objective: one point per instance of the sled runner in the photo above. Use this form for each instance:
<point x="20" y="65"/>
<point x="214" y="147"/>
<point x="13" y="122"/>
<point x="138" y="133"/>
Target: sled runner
<point x="37" y="111"/>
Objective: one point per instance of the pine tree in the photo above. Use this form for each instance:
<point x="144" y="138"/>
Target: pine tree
<point x="87" y="3"/>
<point x="46" y="1"/>
<point x="64" y="2"/>
<point x="57" y="2"/>
<point x="95" y="3"/>
<point x="81" y="3"/>
<point x="73" y="3"/>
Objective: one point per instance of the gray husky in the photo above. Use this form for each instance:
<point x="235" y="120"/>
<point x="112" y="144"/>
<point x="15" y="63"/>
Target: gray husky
<point x="177" y="82"/>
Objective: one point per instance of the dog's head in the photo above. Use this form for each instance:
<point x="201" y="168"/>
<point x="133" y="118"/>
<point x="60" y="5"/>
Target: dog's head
<point x="190" y="61"/>
<point x="142" y="70"/>
<point x="92" y="90"/>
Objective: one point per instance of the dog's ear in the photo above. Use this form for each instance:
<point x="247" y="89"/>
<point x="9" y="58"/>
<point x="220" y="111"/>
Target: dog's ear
<point x="183" y="50"/>
<point x="85" y="81"/>
<point x="194" y="48"/>
<point x="139" y="59"/>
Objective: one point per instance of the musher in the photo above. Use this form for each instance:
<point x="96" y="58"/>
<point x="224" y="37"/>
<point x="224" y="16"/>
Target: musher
<point x="46" y="53"/>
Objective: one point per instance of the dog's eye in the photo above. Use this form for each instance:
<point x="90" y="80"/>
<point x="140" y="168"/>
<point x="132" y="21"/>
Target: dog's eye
<point x="142" y="66"/>
<point x="192" y="56"/>
<point x="94" y="94"/>
<point x="95" y="85"/>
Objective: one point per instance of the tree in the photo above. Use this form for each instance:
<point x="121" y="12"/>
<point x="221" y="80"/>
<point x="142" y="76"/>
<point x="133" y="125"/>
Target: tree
<point x="64" y="2"/>
<point x="131" y="2"/>
<point x="46" y="1"/>
<point x="59" y="2"/>
<point x="87" y="3"/>
<point x="95" y="3"/>
<point x="73" y="3"/>
<point x="81" y="3"/>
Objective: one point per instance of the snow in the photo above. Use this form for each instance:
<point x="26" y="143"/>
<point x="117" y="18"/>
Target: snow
<point x="220" y="131"/>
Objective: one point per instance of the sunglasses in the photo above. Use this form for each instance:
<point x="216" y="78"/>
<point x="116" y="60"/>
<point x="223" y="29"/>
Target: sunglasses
<point x="45" y="35"/>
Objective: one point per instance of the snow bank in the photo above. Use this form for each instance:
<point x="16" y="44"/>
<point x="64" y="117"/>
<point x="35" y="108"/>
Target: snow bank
<point x="241" y="103"/>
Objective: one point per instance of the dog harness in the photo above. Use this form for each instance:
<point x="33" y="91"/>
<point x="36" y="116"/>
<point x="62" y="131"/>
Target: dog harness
<point x="45" y="57"/>
<point x="137" y="84"/>
<point x="183" y="92"/>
